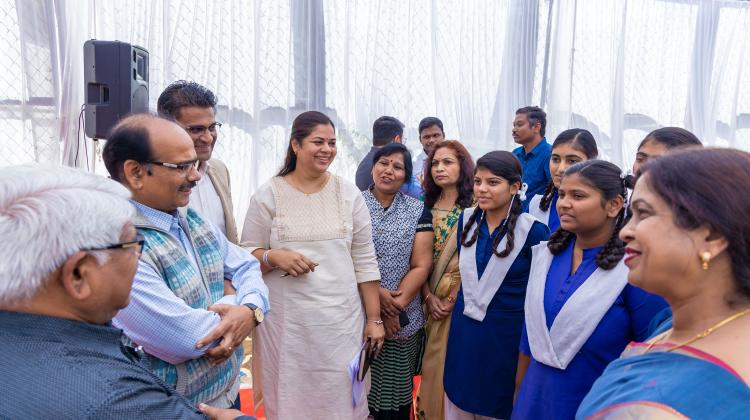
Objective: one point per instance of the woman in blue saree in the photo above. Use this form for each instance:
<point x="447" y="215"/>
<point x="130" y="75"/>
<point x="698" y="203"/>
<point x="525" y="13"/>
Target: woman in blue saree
<point x="689" y="241"/>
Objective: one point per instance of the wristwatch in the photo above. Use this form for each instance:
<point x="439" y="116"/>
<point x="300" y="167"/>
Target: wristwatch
<point x="257" y="312"/>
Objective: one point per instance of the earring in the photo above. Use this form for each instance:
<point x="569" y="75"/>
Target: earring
<point x="705" y="258"/>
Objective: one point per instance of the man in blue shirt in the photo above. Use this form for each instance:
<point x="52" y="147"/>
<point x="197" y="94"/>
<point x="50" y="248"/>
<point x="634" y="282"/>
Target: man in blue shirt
<point x="190" y="331"/>
<point x="67" y="259"/>
<point x="534" y="153"/>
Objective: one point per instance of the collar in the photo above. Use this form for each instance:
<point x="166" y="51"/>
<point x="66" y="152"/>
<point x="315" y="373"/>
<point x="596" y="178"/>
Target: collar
<point x="104" y="338"/>
<point x="587" y="253"/>
<point x="371" y="196"/>
<point x="203" y="167"/>
<point x="157" y="218"/>
<point x="538" y="148"/>
<point x="481" y="222"/>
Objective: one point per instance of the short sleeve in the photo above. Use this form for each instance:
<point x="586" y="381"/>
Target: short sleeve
<point x="424" y="224"/>
<point x="256" y="232"/>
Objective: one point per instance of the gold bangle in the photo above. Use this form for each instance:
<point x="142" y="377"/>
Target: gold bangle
<point x="426" y="298"/>
<point x="451" y="299"/>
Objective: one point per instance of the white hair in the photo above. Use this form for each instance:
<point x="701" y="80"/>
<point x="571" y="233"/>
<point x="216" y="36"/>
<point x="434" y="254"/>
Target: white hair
<point x="48" y="213"/>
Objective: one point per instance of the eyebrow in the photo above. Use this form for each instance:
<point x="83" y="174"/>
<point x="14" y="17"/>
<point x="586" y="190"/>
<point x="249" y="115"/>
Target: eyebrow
<point x="640" y="201"/>
<point x="566" y="156"/>
<point x="184" y="162"/>
<point x="641" y="154"/>
<point x="573" y="190"/>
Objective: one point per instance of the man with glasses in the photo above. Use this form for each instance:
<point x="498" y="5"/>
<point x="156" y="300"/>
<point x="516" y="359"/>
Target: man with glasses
<point x="67" y="260"/>
<point x="190" y="331"/>
<point x="193" y="107"/>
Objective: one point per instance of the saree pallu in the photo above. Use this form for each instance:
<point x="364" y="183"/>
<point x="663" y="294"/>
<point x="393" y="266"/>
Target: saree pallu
<point x="683" y="384"/>
<point x="444" y="277"/>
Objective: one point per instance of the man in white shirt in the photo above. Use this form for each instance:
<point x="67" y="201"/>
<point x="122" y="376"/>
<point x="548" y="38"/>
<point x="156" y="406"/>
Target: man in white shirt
<point x="193" y="107"/>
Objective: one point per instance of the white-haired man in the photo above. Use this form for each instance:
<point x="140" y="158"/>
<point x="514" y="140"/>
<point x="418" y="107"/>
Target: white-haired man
<point x="68" y="254"/>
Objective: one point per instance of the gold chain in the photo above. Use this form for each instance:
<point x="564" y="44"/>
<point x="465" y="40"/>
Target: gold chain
<point x="703" y="334"/>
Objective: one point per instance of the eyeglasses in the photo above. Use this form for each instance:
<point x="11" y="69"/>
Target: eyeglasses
<point x="198" y="130"/>
<point x="182" y="168"/>
<point x="136" y="244"/>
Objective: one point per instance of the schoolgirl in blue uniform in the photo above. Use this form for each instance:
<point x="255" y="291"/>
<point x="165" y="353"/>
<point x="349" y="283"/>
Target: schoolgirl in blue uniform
<point x="580" y="312"/>
<point x="570" y="147"/>
<point x="495" y="240"/>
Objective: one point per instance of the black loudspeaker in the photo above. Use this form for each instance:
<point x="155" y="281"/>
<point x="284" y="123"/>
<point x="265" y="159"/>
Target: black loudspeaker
<point x="116" y="80"/>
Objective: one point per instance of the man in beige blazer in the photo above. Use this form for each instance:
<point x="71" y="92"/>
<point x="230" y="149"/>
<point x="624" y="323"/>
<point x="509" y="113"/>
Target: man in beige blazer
<point x="193" y="107"/>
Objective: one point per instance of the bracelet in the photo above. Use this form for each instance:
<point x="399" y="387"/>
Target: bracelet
<point x="265" y="258"/>
<point x="376" y="321"/>
<point x="426" y="298"/>
<point x="451" y="299"/>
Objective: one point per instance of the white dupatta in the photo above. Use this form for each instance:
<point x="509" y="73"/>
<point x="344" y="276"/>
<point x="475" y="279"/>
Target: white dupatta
<point x="478" y="293"/>
<point x="579" y="316"/>
<point x="535" y="211"/>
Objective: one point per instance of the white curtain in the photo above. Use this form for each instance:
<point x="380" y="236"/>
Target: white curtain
<point x="240" y="50"/>
<point x="30" y="86"/>
<point x="619" y="68"/>
<point x="622" y="68"/>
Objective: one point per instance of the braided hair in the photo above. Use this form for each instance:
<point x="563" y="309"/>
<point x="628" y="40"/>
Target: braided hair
<point x="505" y="165"/>
<point x="605" y="178"/>
<point x="579" y="139"/>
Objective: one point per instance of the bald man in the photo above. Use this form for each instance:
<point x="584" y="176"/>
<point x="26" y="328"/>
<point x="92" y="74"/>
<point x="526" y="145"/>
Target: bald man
<point x="190" y="331"/>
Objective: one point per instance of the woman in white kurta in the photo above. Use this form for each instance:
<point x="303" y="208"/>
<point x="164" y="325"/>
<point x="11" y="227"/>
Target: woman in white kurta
<point x="311" y="229"/>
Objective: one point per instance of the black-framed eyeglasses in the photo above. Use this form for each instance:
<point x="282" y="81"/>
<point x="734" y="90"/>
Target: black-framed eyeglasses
<point x="136" y="244"/>
<point x="182" y="168"/>
<point x="197" y="130"/>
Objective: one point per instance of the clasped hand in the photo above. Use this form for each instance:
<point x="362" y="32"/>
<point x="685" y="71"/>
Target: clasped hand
<point x="389" y="304"/>
<point x="237" y="322"/>
<point x="439" y="308"/>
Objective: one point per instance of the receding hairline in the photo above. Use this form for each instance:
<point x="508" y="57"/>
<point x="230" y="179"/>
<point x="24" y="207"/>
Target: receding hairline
<point x="155" y="126"/>
<point x="137" y="121"/>
<point x="147" y="122"/>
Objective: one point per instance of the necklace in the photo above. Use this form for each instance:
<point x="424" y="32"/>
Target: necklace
<point x="703" y="334"/>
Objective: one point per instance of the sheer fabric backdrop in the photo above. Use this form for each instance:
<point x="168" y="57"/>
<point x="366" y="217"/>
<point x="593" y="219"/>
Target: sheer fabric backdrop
<point x="618" y="68"/>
